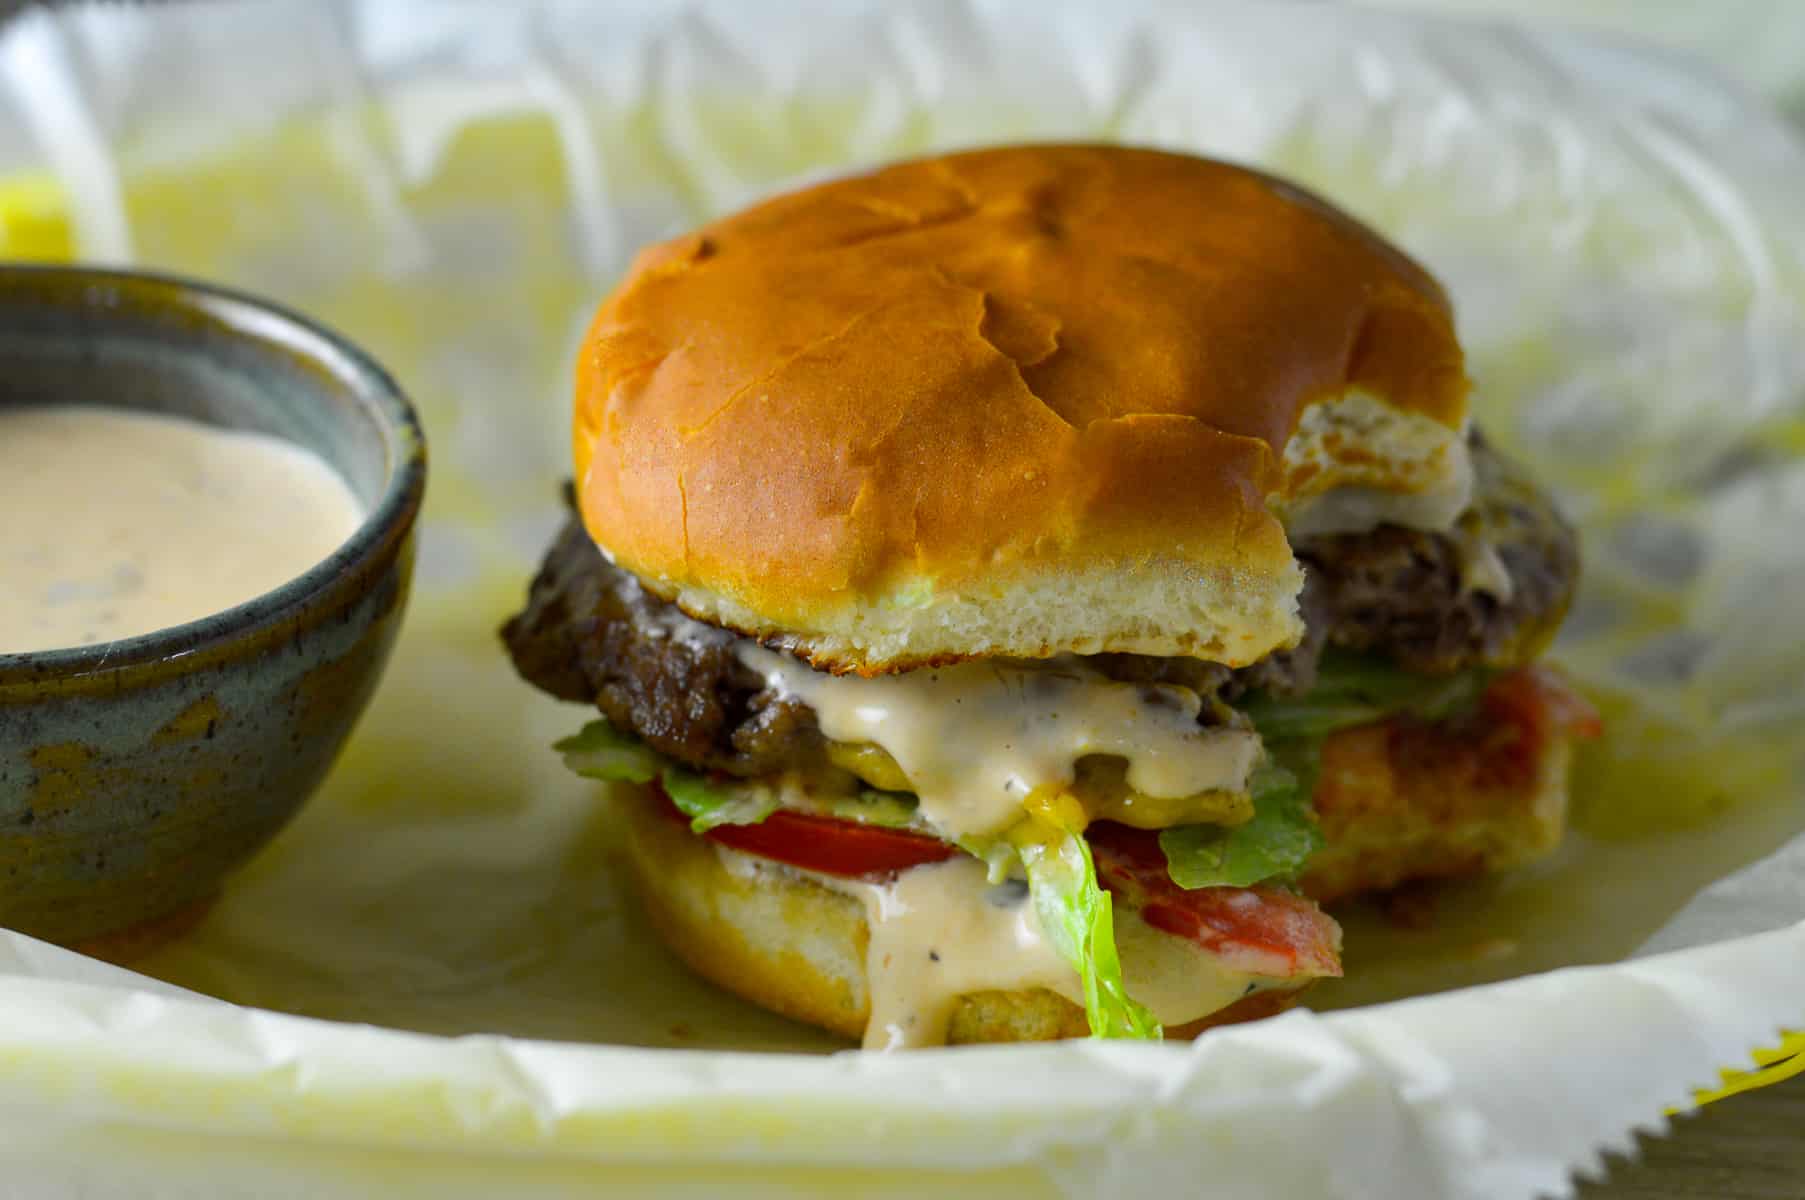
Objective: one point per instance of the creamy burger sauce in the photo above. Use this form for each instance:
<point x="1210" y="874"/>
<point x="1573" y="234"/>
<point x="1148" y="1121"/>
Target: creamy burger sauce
<point x="943" y="931"/>
<point x="117" y="523"/>
<point x="940" y="932"/>
<point x="974" y="739"/>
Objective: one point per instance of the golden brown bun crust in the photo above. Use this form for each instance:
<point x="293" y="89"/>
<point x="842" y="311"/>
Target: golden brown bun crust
<point x="943" y="389"/>
<point x="797" y="948"/>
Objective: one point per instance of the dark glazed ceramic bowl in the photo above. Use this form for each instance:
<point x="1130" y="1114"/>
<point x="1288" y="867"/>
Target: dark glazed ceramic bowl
<point x="134" y="774"/>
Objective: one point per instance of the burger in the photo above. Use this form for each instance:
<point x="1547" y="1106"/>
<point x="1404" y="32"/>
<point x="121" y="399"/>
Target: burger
<point x="1022" y="586"/>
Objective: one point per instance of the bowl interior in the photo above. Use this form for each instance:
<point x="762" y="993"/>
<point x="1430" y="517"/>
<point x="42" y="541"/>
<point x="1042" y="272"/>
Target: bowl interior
<point x="161" y="345"/>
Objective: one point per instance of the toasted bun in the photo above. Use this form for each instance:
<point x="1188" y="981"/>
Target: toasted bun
<point x="790" y="945"/>
<point x="1020" y="402"/>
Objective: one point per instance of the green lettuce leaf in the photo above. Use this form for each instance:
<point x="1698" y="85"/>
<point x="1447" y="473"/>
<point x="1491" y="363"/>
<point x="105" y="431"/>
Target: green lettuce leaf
<point x="1274" y="844"/>
<point x="1076" y="915"/>
<point x="1351" y="689"/>
<point x="1354" y="689"/>
<point x="708" y="803"/>
<point x="599" y="751"/>
<point x="895" y="810"/>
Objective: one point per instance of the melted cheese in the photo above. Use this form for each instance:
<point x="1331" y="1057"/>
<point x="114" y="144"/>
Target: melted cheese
<point x="1482" y="569"/>
<point x="975" y="739"/>
<point x="1103" y="792"/>
<point x="1355" y="509"/>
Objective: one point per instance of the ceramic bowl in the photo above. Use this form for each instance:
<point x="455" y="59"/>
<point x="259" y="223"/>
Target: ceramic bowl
<point x="135" y="774"/>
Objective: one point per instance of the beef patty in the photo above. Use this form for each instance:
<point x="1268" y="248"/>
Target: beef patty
<point x="1486" y="593"/>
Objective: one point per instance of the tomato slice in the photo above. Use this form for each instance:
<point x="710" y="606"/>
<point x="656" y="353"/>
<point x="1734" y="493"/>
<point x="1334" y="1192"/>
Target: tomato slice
<point x="829" y="845"/>
<point x="1260" y="930"/>
<point x="1540" y="698"/>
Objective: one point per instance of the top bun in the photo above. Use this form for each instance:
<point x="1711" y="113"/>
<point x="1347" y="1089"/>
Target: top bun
<point x="1014" y="402"/>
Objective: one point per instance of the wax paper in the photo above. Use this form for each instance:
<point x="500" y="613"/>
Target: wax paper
<point x="1759" y="42"/>
<point x="437" y="982"/>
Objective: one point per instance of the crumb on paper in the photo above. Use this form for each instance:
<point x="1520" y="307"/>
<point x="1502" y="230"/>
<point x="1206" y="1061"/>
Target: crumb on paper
<point x="1491" y="949"/>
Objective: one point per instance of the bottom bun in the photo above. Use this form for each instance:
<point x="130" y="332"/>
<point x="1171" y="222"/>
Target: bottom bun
<point x="788" y="944"/>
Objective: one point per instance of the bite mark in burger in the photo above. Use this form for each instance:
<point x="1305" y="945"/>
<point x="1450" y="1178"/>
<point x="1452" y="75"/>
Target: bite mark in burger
<point x="1024" y="583"/>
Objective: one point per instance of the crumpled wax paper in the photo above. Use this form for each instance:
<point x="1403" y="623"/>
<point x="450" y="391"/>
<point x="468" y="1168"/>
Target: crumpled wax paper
<point x="1760" y="42"/>
<point x="454" y="185"/>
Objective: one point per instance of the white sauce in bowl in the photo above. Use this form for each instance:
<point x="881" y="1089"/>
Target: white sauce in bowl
<point x="116" y="523"/>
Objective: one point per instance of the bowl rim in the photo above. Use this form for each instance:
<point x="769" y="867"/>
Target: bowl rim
<point x="385" y="523"/>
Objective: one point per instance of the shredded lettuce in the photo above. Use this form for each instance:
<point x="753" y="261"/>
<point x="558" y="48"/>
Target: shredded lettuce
<point x="1274" y="844"/>
<point x="1078" y="918"/>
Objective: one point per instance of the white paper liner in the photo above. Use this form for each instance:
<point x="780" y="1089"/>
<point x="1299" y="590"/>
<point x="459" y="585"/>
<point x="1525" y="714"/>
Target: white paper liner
<point x="1496" y="1091"/>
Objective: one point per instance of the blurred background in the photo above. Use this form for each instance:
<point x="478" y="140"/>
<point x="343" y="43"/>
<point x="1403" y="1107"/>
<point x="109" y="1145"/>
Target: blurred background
<point x="1759" y="42"/>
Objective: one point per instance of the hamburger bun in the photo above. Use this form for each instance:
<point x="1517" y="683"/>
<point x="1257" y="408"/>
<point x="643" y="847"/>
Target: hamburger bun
<point x="1015" y="402"/>
<point x="1398" y="800"/>
<point x="788" y="944"/>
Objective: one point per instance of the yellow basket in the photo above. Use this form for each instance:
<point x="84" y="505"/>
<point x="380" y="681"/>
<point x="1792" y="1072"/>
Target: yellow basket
<point x="1771" y="1066"/>
<point x="34" y="219"/>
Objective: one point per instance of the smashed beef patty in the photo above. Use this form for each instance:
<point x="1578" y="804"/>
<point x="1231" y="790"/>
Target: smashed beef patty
<point x="1433" y="602"/>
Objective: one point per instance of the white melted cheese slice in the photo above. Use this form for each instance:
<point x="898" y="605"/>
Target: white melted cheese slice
<point x="975" y="738"/>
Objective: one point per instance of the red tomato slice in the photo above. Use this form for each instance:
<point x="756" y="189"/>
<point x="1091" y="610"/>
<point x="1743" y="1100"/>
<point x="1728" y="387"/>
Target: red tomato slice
<point x="1260" y="930"/>
<point x="1525" y="709"/>
<point x="829" y="845"/>
<point x="1540" y="698"/>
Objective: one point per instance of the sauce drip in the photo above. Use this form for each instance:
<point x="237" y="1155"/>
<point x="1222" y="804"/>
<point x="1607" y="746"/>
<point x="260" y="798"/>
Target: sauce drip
<point x="975" y="738"/>
<point x="943" y="931"/>
<point x="116" y="523"/>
